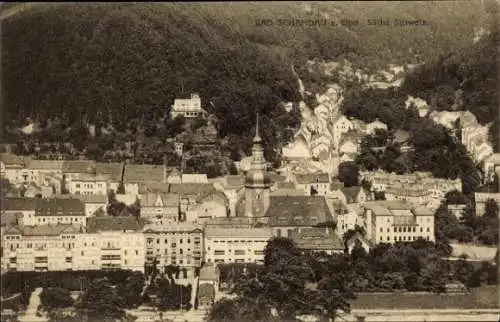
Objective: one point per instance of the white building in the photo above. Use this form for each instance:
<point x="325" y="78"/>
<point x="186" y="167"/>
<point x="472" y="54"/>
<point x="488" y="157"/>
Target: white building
<point x="88" y="184"/>
<point x="41" y="248"/>
<point x="112" y="243"/>
<point x="392" y="221"/>
<point x="236" y="245"/>
<point x="13" y="168"/>
<point x="188" y="108"/>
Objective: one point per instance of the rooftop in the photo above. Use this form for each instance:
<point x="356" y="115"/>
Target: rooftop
<point x="108" y="223"/>
<point x="45" y="206"/>
<point x="12" y="159"/>
<point x="44" y="230"/>
<point x="113" y="169"/>
<point x="78" y="166"/>
<point x="236" y="233"/>
<point x="298" y="210"/>
<point x="318" y="239"/>
<point x="182" y="227"/>
<point x="51" y="165"/>
<point x="135" y="173"/>
<point x="304" y="178"/>
<point x="191" y="188"/>
<point x="164" y="199"/>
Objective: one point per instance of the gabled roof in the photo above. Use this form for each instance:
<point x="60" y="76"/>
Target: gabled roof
<point x="156" y="187"/>
<point x="50" y="165"/>
<point x="298" y="210"/>
<point x="142" y="173"/>
<point x="108" y="223"/>
<point x="12" y="159"/>
<point x="166" y="199"/>
<point x="113" y="169"/>
<point x="78" y="166"/>
<point x="45" y="206"/>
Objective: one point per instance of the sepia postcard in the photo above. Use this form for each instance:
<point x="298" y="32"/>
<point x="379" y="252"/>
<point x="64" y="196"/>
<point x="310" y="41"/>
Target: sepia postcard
<point x="250" y="161"/>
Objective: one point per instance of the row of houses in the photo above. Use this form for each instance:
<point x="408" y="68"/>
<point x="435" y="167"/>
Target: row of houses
<point x="419" y="188"/>
<point x="73" y="242"/>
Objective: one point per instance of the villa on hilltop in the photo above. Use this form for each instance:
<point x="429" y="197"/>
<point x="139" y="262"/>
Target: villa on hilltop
<point x="188" y="107"/>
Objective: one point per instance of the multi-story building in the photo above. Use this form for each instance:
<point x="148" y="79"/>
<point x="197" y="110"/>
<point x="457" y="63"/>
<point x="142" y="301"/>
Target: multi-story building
<point x="236" y="245"/>
<point x="313" y="183"/>
<point x="41" y="248"/>
<point x="179" y="244"/>
<point x="13" y="168"/>
<point x="211" y="205"/>
<point x="375" y="125"/>
<point x="410" y="186"/>
<point x="481" y="198"/>
<point x="392" y="221"/>
<point x="112" y="243"/>
<point x="38" y="211"/>
<point x="89" y="184"/>
<point x="190" y="107"/>
<point x="135" y="175"/>
<point x="40" y="170"/>
<point x="160" y="207"/>
<point x="75" y="168"/>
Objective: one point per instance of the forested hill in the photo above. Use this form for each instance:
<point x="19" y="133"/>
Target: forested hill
<point x="465" y="80"/>
<point x="123" y="64"/>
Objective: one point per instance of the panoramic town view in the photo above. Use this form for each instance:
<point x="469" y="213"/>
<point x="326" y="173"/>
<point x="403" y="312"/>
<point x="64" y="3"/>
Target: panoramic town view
<point x="258" y="161"/>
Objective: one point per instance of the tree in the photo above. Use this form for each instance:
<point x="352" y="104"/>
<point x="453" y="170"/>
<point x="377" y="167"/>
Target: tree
<point x="101" y="302"/>
<point x="55" y="297"/>
<point x="491" y="209"/>
<point x="349" y="173"/>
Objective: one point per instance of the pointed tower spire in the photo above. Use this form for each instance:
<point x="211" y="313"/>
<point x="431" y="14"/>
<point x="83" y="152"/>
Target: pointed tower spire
<point x="257" y="138"/>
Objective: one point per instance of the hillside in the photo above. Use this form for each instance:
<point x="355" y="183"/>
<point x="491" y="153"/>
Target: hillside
<point x="120" y="66"/>
<point x="466" y="80"/>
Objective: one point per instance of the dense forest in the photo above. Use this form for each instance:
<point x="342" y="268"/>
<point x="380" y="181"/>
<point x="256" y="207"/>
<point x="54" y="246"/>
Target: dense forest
<point x="120" y="66"/>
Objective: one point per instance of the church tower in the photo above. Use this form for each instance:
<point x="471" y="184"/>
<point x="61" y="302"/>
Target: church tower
<point x="257" y="181"/>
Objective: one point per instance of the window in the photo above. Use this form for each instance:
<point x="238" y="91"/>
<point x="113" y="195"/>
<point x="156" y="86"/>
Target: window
<point x="125" y="252"/>
<point x="180" y="241"/>
<point x="381" y="229"/>
<point x="395" y="229"/>
<point x="82" y="253"/>
<point x="219" y="252"/>
<point x="414" y="229"/>
<point x="189" y="241"/>
<point x="388" y="230"/>
<point x="428" y="230"/>
<point x="404" y="229"/>
<point x="136" y="252"/>
<point x="421" y="230"/>
<point x="180" y="251"/>
<point x="388" y="238"/>
<point x="380" y="238"/>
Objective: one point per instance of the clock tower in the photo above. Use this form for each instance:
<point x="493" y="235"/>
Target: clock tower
<point x="257" y="181"/>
